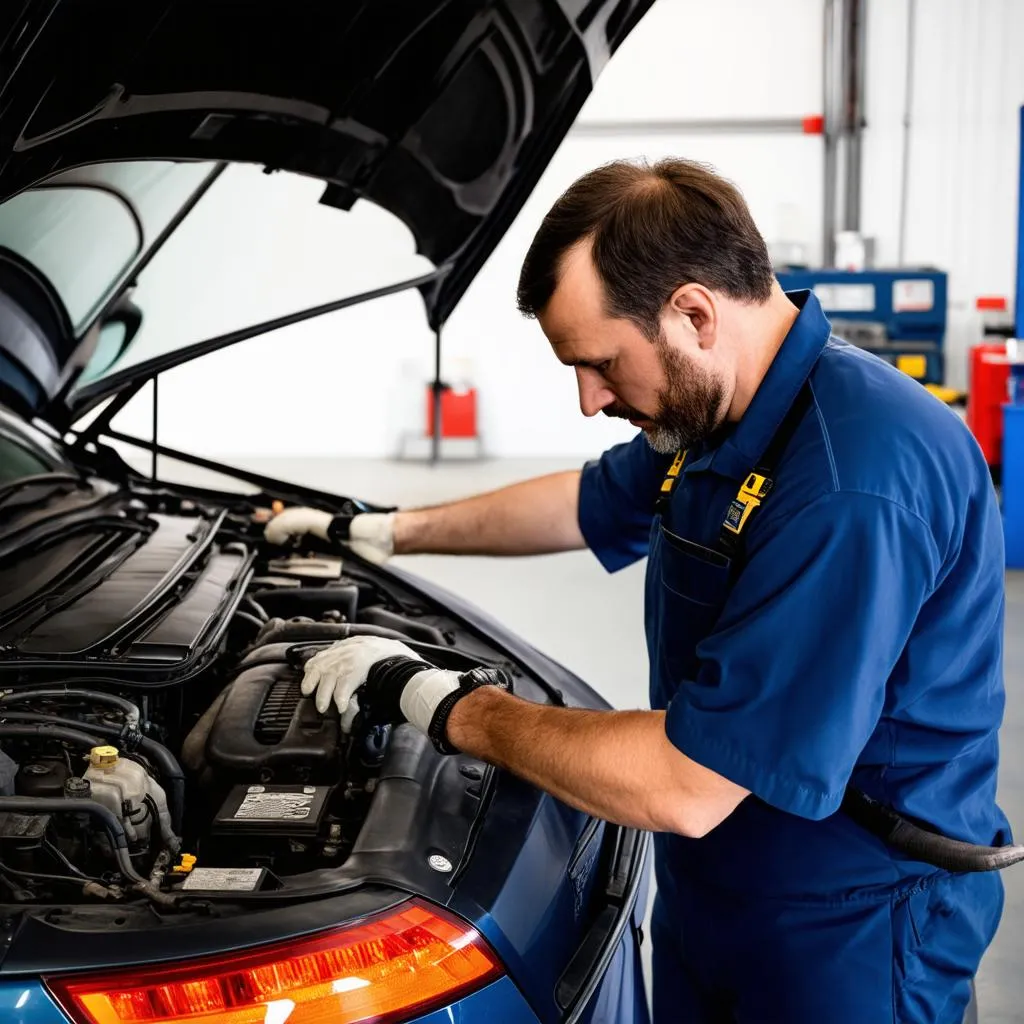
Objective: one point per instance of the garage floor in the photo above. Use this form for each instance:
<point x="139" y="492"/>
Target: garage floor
<point x="598" y="633"/>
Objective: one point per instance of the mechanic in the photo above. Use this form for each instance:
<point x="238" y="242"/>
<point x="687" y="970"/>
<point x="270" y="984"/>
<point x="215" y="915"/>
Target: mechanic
<point x="824" y="610"/>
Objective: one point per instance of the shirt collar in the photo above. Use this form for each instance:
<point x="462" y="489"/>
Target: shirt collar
<point x="739" y="453"/>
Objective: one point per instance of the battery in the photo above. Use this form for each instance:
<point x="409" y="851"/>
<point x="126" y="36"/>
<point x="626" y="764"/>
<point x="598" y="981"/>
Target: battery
<point x="225" y="880"/>
<point x="272" y="810"/>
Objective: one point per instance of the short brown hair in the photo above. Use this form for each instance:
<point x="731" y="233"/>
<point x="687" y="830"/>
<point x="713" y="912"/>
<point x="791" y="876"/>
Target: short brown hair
<point x="653" y="227"/>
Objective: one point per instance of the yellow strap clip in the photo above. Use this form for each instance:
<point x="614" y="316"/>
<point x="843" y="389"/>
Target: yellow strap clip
<point x="756" y="486"/>
<point x="673" y="471"/>
<point x="752" y="492"/>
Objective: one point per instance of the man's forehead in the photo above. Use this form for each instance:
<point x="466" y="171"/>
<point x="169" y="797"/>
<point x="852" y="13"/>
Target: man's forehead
<point x="577" y="274"/>
<point x="578" y="297"/>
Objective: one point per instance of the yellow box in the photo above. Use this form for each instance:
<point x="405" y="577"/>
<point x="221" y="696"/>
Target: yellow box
<point x="914" y="366"/>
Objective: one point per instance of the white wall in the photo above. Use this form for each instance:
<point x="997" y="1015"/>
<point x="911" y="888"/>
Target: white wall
<point x="350" y="384"/>
<point x="260" y="246"/>
<point x="968" y="88"/>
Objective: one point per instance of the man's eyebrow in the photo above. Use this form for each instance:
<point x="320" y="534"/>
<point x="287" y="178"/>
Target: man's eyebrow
<point x="591" y="364"/>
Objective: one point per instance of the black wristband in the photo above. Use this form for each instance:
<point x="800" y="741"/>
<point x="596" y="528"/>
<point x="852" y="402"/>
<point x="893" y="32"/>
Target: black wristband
<point x="380" y="698"/>
<point x="468" y="682"/>
<point x="338" y="528"/>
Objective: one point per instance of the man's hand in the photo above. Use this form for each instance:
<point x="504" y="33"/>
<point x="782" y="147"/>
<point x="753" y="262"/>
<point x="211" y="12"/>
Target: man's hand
<point x="532" y="518"/>
<point x="391" y="683"/>
<point x="336" y="672"/>
<point x="297" y="522"/>
<point x="370" y="535"/>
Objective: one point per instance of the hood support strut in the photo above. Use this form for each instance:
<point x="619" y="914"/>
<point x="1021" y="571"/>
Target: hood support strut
<point x="127" y="383"/>
<point x="436" y="388"/>
<point x="291" y="493"/>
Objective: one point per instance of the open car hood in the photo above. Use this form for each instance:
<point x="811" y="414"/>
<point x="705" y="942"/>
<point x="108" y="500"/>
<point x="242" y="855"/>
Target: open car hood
<point x="444" y="113"/>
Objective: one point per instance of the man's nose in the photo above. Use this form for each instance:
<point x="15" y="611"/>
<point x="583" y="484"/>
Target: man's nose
<point x="595" y="395"/>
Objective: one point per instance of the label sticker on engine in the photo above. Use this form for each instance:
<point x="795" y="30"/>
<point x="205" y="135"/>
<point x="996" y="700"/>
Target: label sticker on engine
<point x="276" y="806"/>
<point x="224" y="879"/>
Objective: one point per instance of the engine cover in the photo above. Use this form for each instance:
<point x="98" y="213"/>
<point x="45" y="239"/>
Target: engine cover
<point x="144" y="597"/>
<point x="266" y="730"/>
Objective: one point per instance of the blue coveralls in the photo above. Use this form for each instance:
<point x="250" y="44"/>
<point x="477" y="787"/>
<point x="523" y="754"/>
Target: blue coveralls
<point x="861" y="640"/>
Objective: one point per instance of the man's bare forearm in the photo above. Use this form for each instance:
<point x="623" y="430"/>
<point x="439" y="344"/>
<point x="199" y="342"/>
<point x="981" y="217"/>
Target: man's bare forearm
<point x="616" y="765"/>
<point x="531" y="518"/>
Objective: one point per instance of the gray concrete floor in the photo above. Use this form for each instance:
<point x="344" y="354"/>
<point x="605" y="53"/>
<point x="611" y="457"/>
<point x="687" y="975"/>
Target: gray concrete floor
<point x="1001" y="981"/>
<point x="597" y="631"/>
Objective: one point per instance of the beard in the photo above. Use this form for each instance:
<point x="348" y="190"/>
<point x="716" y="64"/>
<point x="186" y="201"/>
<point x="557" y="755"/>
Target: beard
<point x="688" y="404"/>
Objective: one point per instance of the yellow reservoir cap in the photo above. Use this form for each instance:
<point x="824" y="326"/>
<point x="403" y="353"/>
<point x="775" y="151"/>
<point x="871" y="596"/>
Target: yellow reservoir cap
<point x="103" y="757"/>
<point x="188" y="862"/>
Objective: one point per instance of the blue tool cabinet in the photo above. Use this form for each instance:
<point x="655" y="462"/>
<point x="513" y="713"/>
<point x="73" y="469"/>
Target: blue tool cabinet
<point x="899" y="315"/>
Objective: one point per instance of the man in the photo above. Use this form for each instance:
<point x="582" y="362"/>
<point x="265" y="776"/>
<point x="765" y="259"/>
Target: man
<point x="833" y="620"/>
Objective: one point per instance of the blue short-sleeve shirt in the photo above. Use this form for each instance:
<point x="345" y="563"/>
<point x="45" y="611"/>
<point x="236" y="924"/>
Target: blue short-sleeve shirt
<point x="861" y="638"/>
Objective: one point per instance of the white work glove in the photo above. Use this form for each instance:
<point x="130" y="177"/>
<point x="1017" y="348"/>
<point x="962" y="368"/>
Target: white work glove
<point x="336" y="672"/>
<point x="371" y="535"/>
<point x="297" y="522"/>
<point x="396" y="690"/>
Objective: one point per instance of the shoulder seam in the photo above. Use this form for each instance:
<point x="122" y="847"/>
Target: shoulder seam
<point x="899" y="504"/>
<point x="827" y="439"/>
<point x="782" y="520"/>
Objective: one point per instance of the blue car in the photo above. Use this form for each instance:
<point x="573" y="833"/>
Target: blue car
<point x="184" y="839"/>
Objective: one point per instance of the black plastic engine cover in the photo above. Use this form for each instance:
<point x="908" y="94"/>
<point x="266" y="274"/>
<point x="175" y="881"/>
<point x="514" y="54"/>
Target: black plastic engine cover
<point x="266" y="730"/>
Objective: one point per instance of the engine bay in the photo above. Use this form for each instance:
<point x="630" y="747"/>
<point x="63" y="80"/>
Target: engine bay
<point x="154" y="741"/>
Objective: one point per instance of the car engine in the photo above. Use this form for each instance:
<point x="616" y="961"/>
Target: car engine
<point x="151" y="718"/>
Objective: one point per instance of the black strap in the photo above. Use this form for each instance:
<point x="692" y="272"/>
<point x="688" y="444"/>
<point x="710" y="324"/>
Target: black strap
<point x="673" y="475"/>
<point x="760" y="482"/>
<point x="787" y="428"/>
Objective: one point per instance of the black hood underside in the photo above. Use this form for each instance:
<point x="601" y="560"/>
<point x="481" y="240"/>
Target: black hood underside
<point x="443" y="113"/>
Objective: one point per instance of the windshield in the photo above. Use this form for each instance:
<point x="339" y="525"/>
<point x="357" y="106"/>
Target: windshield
<point x="255" y="247"/>
<point x="85" y="228"/>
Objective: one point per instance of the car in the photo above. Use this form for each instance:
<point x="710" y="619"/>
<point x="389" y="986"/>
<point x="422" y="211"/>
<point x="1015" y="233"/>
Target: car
<point x="184" y="839"/>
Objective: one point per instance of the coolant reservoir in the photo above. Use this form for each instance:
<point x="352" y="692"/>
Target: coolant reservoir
<point x="121" y="785"/>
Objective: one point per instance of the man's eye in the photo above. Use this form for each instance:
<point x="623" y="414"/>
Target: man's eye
<point x="603" y="367"/>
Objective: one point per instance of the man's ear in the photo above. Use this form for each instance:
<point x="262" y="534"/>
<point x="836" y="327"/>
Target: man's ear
<point x="698" y="306"/>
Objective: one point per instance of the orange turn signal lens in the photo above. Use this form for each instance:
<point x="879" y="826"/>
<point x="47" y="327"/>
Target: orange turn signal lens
<point x="385" y="968"/>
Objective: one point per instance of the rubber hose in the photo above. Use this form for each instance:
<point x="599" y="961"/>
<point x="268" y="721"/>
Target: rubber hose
<point x="50" y="730"/>
<point x="130" y="710"/>
<point x="252" y="620"/>
<point x="107" y="818"/>
<point x="920" y="844"/>
<point x="380" y="616"/>
<point x="167" y="764"/>
<point x="255" y="607"/>
<point x="281" y="631"/>
<point x="159" y="869"/>
<point x="294" y="654"/>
